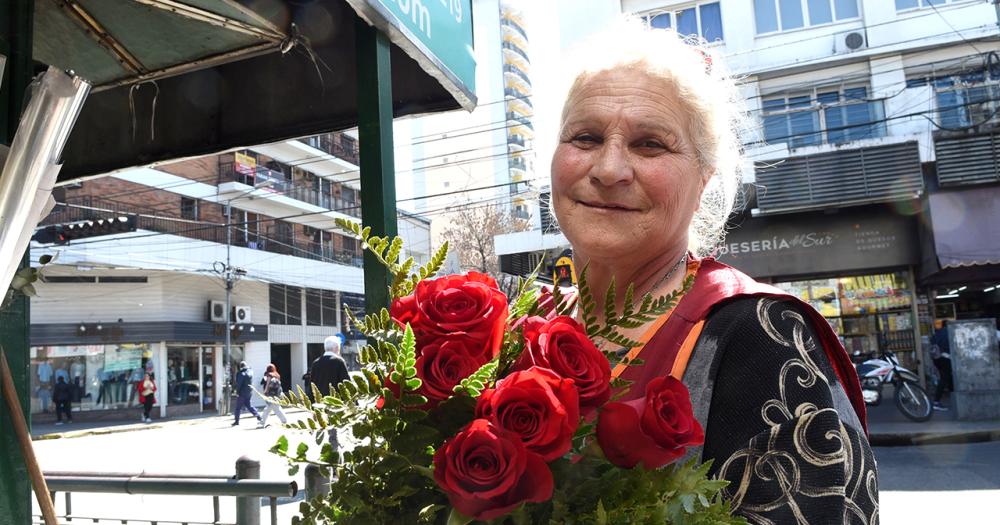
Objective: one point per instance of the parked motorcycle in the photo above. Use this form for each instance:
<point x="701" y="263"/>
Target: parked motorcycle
<point x="911" y="399"/>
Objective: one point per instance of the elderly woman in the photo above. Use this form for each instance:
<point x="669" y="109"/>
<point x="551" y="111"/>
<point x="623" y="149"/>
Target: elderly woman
<point x="643" y="179"/>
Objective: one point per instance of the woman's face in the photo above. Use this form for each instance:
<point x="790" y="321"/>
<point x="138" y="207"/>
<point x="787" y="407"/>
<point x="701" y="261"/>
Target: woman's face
<point x="625" y="175"/>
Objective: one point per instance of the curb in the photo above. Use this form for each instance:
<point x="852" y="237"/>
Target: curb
<point x="933" y="438"/>
<point x="115" y="429"/>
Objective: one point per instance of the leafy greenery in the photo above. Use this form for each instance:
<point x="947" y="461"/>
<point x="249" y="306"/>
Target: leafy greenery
<point x="24" y="282"/>
<point x="386" y="474"/>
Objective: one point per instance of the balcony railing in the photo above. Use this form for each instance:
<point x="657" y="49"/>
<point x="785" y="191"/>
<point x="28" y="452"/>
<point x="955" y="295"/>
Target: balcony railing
<point x="516" y="49"/>
<point x="518" y="163"/>
<point x="518" y="96"/>
<point x="521" y="120"/>
<point x="300" y="190"/>
<point x="514" y="70"/>
<point x="278" y="239"/>
<point x="337" y="144"/>
<point x="516" y="139"/>
<point x="509" y="22"/>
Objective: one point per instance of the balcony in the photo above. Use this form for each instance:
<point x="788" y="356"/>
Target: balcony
<point x="524" y="121"/>
<point x="518" y="163"/>
<point x="515" y="95"/>
<point x="510" y="23"/>
<point x="516" y="49"/>
<point x="276" y="184"/>
<point x="841" y="178"/>
<point x="517" y="141"/>
<point x="277" y="239"/>
<point x="336" y="144"/>
<point x="516" y="71"/>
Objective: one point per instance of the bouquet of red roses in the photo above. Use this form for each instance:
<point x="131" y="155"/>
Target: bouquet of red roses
<point x="473" y="407"/>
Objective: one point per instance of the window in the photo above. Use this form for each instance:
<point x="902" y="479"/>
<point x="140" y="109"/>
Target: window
<point x="703" y="20"/>
<point x="285" y="303"/>
<point x="963" y="99"/>
<point x="825" y="115"/>
<point x="914" y="4"/>
<point x="784" y="15"/>
<point x="321" y="307"/>
<point x="189" y="208"/>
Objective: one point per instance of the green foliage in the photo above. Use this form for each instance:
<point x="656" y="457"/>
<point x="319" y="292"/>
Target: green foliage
<point x="387" y="252"/>
<point x="385" y="473"/>
<point x="480" y="380"/>
<point x="631" y="316"/>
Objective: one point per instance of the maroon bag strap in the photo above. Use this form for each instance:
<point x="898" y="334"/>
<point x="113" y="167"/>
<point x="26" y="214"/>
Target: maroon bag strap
<point x="716" y="284"/>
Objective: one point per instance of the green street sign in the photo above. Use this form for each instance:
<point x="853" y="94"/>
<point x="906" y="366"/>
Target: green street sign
<point x="435" y="33"/>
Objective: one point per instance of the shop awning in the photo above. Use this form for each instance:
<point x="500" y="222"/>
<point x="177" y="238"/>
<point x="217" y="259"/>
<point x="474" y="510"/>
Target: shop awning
<point x="965" y="228"/>
<point x="181" y="78"/>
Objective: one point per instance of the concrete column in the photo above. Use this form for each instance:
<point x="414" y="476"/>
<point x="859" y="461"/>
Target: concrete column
<point x="300" y="362"/>
<point x="317" y="482"/>
<point x="247" y="508"/>
<point x="161" y="379"/>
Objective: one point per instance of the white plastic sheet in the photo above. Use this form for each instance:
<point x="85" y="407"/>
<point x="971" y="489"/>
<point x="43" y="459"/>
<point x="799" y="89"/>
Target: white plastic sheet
<point x="33" y="162"/>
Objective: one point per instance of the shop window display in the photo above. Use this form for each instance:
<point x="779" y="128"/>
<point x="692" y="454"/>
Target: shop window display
<point x="183" y="383"/>
<point x="101" y="376"/>
<point x="870" y="313"/>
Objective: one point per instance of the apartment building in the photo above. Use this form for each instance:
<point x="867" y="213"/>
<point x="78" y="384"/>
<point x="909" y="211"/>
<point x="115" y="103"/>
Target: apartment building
<point x="113" y="306"/>
<point x="872" y="172"/>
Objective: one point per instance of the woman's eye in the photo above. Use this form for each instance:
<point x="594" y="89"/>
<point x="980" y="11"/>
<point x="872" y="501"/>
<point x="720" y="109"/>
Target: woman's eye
<point x="652" y="144"/>
<point x="586" y="139"/>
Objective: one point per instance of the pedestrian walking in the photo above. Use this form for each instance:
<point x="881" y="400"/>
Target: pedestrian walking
<point x="244" y="391"/>
<point x="328" y="371"/>
<point x="271" y="386"/>
<point x="63" y="395"/>
<point x="147" y="396"/>
<point x="941" y="355"/>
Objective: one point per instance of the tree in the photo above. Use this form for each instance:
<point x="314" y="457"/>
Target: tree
<point x="471" y="233"/>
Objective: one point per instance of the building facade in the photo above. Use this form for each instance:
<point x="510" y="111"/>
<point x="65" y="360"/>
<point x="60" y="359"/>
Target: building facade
<point x="872" y="171"/>
<point x="111" y="307"/>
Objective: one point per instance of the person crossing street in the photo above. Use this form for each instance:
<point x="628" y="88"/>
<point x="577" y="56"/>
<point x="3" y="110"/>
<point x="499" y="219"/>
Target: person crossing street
<point x="244" y="391"/>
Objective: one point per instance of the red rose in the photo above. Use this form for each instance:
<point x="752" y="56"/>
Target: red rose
<point x="470" y="303"/>
<point x="487" y="472"/>
<point x="562" y="346"/>
<point x="444" y="362"/>
<point x="653" y="430"/>
<point x="537" y="405"/>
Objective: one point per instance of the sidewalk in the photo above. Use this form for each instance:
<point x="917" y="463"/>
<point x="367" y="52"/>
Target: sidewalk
<point x="888" y="427"/>
<point x="42" y="431"/>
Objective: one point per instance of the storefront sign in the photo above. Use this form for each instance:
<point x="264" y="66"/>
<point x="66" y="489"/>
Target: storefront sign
<point x="803" y="244"/>
<point x="435" y="33"/>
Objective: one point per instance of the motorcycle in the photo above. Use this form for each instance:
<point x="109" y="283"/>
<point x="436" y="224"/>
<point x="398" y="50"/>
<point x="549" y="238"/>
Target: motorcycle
<point x="911" y="399"/>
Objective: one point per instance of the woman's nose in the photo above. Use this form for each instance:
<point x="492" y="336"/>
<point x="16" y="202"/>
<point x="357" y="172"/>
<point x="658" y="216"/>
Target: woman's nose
<point x="612" y="165"/>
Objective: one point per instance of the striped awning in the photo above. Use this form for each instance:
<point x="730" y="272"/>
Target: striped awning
<point x="965" y="226"/>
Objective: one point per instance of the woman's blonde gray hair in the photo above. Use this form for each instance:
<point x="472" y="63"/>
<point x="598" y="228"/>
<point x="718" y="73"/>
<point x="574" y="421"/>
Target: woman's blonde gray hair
<point x="714" y="102"/>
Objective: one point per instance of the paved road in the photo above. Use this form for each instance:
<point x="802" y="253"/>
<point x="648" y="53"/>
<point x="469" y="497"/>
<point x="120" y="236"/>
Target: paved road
<point x="204" y="446"/>
<point x="934" y="484"/>
<point x="940" y="484"/>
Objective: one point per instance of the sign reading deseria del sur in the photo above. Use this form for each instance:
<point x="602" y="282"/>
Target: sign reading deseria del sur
<point x="805" y="244"/>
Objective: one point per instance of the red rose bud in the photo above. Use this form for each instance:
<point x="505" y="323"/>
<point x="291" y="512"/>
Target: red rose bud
<point x="653" y="430"/>
<point x="487" y="472"/>
<point x="537" y="405"/>
<point x="470" y="303"/>
<point x="562" y="346"/>
<point x="444" y="363"/>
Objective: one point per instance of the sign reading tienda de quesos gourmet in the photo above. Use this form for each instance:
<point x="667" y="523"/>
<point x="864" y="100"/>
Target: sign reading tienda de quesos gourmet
<point x="435" y="33"/>
<point x="808" y="244"/>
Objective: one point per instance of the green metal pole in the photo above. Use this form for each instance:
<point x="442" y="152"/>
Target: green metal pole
<point x="15" y="490"/>
<point x="378" y="175"/>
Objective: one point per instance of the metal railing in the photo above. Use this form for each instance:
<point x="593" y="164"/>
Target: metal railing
<point x="511" y="68"/>
<point x="272" y="239"/>
<point x="336" y="144"/>
<point x="245" y="486"/>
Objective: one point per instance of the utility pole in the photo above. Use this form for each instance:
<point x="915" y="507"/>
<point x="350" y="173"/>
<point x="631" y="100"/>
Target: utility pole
<point x="231" y="275"/>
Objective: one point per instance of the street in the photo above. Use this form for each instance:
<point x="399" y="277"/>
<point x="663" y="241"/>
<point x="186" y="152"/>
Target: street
<point x="927" y="484"/>
<point x="939" y="483"/>
<point x="208" y="446"/>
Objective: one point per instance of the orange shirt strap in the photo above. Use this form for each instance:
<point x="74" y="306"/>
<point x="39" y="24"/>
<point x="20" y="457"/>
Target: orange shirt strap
<point x="692" y="269"/>
<point x="684" y="355"/>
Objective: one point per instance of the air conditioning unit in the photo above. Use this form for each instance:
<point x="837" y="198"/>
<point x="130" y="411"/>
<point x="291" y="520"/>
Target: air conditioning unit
<point x="217" y="311"/>
<point x="241" y="314"/>
<point x="849" y="42"/>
